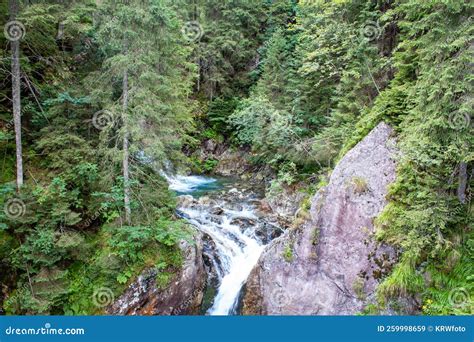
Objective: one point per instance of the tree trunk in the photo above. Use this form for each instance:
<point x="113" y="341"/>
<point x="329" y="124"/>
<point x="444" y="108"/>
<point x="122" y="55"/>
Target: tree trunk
<point x="125" y="162"/>
<point x="16" y="97"/>
<point x="462" y="184"/>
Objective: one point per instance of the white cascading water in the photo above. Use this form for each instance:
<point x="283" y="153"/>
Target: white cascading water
<point x="186" y="184"/>
<point x="238" y="248"/>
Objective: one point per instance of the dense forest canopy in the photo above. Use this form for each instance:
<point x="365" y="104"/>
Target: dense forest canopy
<point x="110" y="92"/>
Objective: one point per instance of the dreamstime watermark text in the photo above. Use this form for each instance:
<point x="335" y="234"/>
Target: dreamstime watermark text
<point x="46" y="330"/>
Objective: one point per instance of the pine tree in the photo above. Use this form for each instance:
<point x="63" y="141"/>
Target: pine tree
<point x="144" y="48"/>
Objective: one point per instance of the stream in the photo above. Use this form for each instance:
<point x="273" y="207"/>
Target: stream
<point x="235" y="233"/>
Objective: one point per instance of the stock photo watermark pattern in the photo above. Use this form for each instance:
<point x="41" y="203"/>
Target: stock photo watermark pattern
<point x="102" y="297"/>
<point x="280" y="298"/>
<point x="459" y="121"/>
<point x="188" y="302"/>
<point x="14" y="208"/>
<point x="192" y="31"/>
<point x="14" y="30"/>
<point x="275" y="329"/>
<point x="371" y="30"/>
<point x="103" y="119"/>
<point x="460" y="298"/>
<point x="47" y="330"/>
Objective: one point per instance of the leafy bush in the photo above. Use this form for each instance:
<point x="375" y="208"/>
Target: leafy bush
<point x="129" y="242"/>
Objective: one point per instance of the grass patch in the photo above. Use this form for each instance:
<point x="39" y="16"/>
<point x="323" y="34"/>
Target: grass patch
<point x="403" y="280"/>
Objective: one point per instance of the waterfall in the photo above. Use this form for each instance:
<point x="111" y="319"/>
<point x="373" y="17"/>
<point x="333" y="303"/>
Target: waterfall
<point x="231" y="220"/>
<point x="186" y="184"/>
<point x="238" y="252"/>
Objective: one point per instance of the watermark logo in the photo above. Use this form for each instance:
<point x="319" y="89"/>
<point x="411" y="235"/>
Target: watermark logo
<point x="371" y="30"/>
<point x="459" y="121"/>
<point x="102" y="297"/>
<point x="46" y="330"/>
<point x="184" y="306"/>
<point x="14" y="30"/>
<point x="14" y="208"/>
<point x="279" y="298"/>
<point x="459" y="297"/>
<point x="370" y="208"/>
<point x="103" y="119"/>
<point x="192" y="31"/>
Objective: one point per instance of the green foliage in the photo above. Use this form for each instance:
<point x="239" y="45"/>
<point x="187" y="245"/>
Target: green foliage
<point x="424" y="216"/>
<point x="226" y="52"/>
<point x="218" y="113"/>
<point x="288" y="253"/>
<point x="128" y="243"/>
<point x="203" y="166"/>
<point x="451" y="284"/>
<point x="298" y="83"/>
<point x="403" y="280"/>
<point x="261" y="125"/>
<point x="56" y="253"/>
<point x="285" y="177"/>
<point x="211" y="134"/>
<point x="358" y="288"/>
<point x="141" y="38"/>
<point x="333" y="84"/>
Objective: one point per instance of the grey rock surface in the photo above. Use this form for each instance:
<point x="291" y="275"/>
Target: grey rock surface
<point x="182" y="296"/>
<point x="331" y="265"/>
<point x="232" y="163"/>
<point x="286" y="203"/>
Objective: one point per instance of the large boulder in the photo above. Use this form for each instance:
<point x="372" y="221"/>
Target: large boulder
<point x="182" y="295"/>
<point x="331" y="265"/>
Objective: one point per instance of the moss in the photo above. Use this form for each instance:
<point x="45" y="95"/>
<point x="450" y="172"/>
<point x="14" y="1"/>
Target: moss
<point x="306" y="203"/>
<point x="168" y="264"/>
<point x="370" y="310"/>
<point x="163" y="279"/>
<point x="288" y="253"/>
<point x="323" y="181"/>
<point x="358" y="288"/>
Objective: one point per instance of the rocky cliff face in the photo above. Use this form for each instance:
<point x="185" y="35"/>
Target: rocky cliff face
<point x="331" y="264"/>
<point x="230" y="162"/>
<point x="182" y="296"/>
